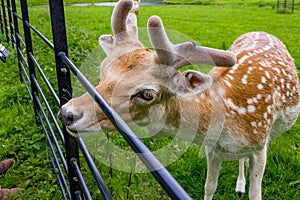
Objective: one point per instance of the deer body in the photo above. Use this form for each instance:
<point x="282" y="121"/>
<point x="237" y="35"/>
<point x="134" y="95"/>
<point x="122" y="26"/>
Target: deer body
<point x="233" y="111"/>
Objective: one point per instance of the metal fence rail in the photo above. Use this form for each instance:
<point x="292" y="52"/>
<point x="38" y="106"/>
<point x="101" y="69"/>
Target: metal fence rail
<point x="64" y="148"/>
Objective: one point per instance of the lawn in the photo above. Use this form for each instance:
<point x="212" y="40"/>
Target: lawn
<point x="213" y="26"/>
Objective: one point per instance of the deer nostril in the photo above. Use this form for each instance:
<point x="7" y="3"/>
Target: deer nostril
<point x="68" y="118"/>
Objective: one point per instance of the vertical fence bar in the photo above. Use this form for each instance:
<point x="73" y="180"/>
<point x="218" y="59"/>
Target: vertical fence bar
<point x="17" y="40"/>
<point x="29" y="50"/>
<point x="64" y="85"/>
<point x="4" y="20"/>
<point x="1" y="19"/>
<point x="10" y="22"/>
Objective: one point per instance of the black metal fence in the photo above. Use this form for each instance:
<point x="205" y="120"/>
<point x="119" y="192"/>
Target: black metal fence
<point x="285" y="6"/>
<point x="65" y="148"/>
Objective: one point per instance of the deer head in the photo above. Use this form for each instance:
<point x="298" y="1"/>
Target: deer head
<point x="142" y="85"/>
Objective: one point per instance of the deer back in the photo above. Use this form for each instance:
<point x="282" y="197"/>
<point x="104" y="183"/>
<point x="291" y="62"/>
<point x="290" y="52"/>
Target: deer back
<point x="261" y="90"/>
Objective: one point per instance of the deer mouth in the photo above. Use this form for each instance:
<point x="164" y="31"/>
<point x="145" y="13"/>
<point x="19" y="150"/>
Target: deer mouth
<point x="78" y="123"/>
<point x="74" y="133"/>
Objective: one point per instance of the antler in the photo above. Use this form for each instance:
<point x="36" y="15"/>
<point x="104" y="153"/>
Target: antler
<point x="124" y="27"/>
<point x="184" y="54"/>
<point x="119" y="16"/>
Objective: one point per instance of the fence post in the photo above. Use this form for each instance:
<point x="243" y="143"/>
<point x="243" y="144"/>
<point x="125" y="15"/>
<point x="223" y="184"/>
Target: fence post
<point x="16" y="32"/>
<point x="1" y="19"/>
<point x="29" y="52"/>
<point x="64" y="85"/>
<point x="5" y="30"/>
<point x="10" y="22"/>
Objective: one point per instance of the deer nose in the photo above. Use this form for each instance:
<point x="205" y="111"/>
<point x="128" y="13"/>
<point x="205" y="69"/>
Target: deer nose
<point x="67" y="117"/>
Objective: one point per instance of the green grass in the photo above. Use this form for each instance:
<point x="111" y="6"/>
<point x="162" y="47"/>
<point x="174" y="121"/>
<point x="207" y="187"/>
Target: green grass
<point x="213" y="26"/>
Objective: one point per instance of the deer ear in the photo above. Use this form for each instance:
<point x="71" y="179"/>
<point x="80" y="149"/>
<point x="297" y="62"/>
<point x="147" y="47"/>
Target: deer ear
<point x="106" y="42"/>
<point x="190" y="83"/>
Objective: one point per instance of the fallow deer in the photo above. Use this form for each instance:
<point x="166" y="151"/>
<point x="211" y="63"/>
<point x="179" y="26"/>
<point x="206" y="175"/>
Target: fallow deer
<point x="250" y="98"/>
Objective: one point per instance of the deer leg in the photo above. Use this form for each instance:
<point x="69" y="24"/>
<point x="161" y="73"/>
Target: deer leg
<point x="257" y="163"/>
<point x="241" y="181"/>
<point x="213" y="168"/>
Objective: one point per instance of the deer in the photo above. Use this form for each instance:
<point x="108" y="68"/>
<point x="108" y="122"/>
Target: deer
<point x="250" y="96"/>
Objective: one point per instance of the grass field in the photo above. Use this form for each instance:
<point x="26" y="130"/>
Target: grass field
<point x="213" y="26"/>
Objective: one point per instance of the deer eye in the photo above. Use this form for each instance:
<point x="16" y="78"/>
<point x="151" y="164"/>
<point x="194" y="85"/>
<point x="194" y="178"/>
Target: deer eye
<point x="146" y="95"/>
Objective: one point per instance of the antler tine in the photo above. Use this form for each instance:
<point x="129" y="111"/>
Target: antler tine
<point x="160" y="41"/>
<point x="191" y="54"/>
<point x="132" y="29"/>
<point x="186" y="53"/>
<point x="119" y="16"/>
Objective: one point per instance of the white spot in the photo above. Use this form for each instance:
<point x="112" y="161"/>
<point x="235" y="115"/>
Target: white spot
<point x="281" y="63"/>
<point x="269" y="109"/>
<point x="263" y="79"/>
<point x="259" y="124"/>
<point x="231" y="71"/>
<point x="283" y="98"/>
<point x="262" y="63"/>
<point x="277" y="70"/>
<point x="253" y="124"/>
<point x="266" y="48"/>
<point x="242" y="111"/>
<point x="267" y="74"/>
<point x="251" y="109"/>
<point x="235" y="67"/>
<point x="232" y="105"/>
<point x="281" y="80"/>
<point x="268" y="98"/>
<point x="227" y="83"/>
<point x="202" y="95"/>
<point x="259" y="96"/>
<point x="241" y="60"/>
<point x="230" y="77"/>
<point x="266" y="115"/>
<point x="278" y="87"/>
<point x="260" y="86"/>
<point x="244" y="79"/>
<point x="249" y="101"/>
<point x="284" y="72"/>
<point x="288" y="86"/>
<point x="255" y="100"/>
